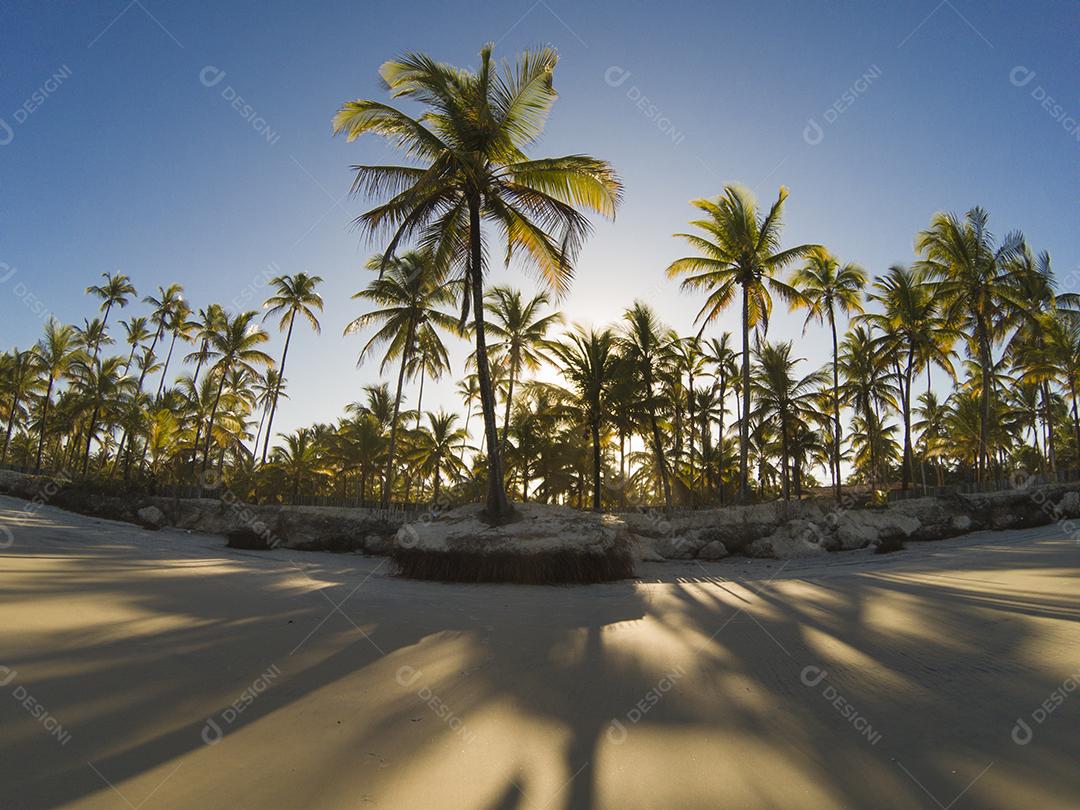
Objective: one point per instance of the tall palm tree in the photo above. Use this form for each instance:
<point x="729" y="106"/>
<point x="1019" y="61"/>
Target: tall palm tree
<point x="163" y="306"/>
<point x="234" y="348"/>
<point x="645" y="342"/>
<point x="117" y="290"/>
<point x="182" y="326"/>
<point x="589" y="360"/>
<point x="408" y="292"/>
<point x="58" y="353"/>
<point x="469" y="391"/>
<point x="470" y="143"/>
<point x="739" y="249"/>
<point x="911" y="331"/>
<point x="972" y="284"/>
<point x="205" y="325"/>
<point x="519" y="334"/>
<point x="135" y="332"/>
<point x="865" y="385"/>
<point x="828" y="287"/>
<point x="293" y="295"/>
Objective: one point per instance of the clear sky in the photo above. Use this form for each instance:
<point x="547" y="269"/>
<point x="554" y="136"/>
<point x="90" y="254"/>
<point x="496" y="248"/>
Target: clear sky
<point x="116" y="155"/>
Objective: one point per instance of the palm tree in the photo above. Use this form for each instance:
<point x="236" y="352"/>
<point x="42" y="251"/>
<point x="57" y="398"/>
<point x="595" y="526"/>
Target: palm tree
<point x="911" y="331"/>
<point x="233" y="348"/>
<point x="298" y="459"/>
<point x="971" y="283"/>
<point x="163" y="305"/>
<point x="408" y="292"/>
<point x="116" y="291"/>
<point x="783" y="399"/>
<point x="589" y="361"/>
<point x="865" y="385"/>
<point x="432" y="451"/>
<point x="470" y="142"/>
<point x="469" y="391"/>
<point x="826" y="287"/>
<point x="135" y="333"/>
<point x="57" y="351"/>
<point x="267" y="387"/>
<point x="738" y="248"/>
<point x="181" y="327"/>
<point x="207" y="324"/>
<point x="294" y="294"/>
<point x="20" y="381"/>
<point x="103" y="385"/>
<point x="645" y="343"/>
<point x="519" y="332"/>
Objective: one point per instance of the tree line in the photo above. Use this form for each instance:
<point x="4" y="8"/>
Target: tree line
<point x="643" y="415"/>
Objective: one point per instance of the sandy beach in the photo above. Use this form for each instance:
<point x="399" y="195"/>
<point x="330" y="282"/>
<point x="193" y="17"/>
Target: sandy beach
<point x="162" y="670"/>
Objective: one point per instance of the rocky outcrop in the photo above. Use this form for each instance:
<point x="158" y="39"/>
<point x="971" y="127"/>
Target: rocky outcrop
<point x="788" y="529"/>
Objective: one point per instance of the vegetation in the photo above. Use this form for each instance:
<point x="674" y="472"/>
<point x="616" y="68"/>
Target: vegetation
<point x="963" y="366"/>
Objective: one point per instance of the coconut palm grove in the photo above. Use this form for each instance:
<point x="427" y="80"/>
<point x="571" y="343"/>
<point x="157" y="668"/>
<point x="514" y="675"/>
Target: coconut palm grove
<point x="538" y="405"/>
<point x="152" y="391"/>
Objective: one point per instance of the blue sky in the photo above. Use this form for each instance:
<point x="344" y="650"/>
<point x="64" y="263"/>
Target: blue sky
<point x="127" y="161"/>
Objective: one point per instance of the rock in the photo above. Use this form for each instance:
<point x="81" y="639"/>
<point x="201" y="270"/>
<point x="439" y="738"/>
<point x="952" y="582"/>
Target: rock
<point x="152" y="517"/>
<point x="1069" y="505"/>
<point x="713" y="550"/>
<point x="788" y="541"/>
<point x="960" y="524"/>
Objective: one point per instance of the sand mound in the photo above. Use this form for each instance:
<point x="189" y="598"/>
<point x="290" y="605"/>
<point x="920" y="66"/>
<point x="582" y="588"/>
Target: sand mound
<point x="542" y="545"/>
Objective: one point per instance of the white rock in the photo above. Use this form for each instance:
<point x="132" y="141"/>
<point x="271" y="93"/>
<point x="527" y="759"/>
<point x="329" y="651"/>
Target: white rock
<point x="712" y="551"/>
<point x="152" y="516"/>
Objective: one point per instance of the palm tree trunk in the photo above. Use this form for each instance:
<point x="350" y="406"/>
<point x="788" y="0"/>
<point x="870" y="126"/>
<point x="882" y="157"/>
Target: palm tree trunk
<point x="595" y="426"/>
<point x="165" y="368"/>
<point x="10" y="426"/>
<point x="622" y="468"/>
<point x="985" y="360"/>
<point x="44" y="420"/>
<point x="744" y="427"/>
<point x="693" y="430"/>
<point x="658" y="448"/>
<point x="420" y="397"/>
<point x="1076" y="424"/>
<point x="465" y="438"/>
<point x="1048" y="420"/>
<point x="509" y="402"/>
<point x="277" y="388"/>
<point x="836" y="404"/>
<point x="213" y="416"/>
<point x="909" y="456"/>
<point x="497" y="506"/>
<point x="388" y="478"/>
<point x="89" y="437"/>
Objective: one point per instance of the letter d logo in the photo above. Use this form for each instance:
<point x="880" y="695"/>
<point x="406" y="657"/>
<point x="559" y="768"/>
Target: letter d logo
<point x="7" y="134"/>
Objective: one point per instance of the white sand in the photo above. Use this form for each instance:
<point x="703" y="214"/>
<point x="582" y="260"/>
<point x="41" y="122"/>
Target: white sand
<point x="133" y="639"/>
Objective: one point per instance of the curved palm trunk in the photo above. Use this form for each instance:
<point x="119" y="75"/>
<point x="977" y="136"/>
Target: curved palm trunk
<point x="277" y="388"/>
<point x="44" y="420"/>
<point x="465" y="438"/>
<point x="497" y="506"/>
<point x="744" y="427"/>
<point x="693" y="430"/>
<point x="388" y="478"/>
<point x="165" y="368"/>
<point x="104" y="323"/>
